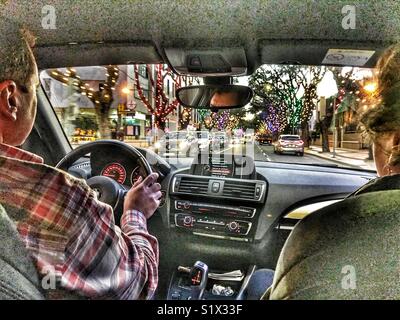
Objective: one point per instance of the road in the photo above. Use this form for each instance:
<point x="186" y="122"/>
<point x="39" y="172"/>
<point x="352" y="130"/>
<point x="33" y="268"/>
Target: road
<point x="259" y="153"/>
<point x="256" y="151"/>
<point x="266" y="153"/>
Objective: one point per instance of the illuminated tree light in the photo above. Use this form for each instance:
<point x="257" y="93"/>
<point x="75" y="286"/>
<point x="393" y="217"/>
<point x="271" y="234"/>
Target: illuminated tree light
<point x="102" y="99"/>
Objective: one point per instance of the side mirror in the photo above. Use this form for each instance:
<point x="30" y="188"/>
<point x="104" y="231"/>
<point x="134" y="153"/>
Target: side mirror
<point x="214" y="97"/>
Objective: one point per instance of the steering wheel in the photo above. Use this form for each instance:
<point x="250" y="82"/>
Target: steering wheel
<point x="108" y="190"/>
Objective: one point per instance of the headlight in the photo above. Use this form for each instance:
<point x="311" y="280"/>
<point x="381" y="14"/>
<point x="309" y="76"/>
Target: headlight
<point x="157" y="145"/>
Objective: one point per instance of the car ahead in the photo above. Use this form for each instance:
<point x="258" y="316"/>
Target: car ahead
<point x="264" y="139"/>
<point x="288" y="143"/>
<point x="176" y="143"/>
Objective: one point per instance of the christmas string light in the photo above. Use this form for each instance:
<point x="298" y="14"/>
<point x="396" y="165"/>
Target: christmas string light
<point x="162" y="106"/>
<point x="101" y="98"/>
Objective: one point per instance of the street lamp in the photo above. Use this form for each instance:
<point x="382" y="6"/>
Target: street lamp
<point x="328" y="88"/>
<point x="126" y="90"/>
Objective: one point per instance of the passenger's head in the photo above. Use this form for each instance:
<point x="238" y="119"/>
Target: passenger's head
<point x="382" y="120"/>
<point x="18" y="82"/>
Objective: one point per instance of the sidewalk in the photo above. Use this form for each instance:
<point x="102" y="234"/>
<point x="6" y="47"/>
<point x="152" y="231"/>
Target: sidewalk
<point x="348" y="157"/>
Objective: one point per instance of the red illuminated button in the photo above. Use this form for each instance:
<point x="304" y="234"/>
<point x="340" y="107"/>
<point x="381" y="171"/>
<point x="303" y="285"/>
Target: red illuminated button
<point x="196" y="278"/>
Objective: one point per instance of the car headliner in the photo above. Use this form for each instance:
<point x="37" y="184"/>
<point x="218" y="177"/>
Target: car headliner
<point x="139" y="31"/>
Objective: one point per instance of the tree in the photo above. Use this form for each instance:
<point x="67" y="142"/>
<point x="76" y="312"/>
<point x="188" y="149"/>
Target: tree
<point x="272" y="87"/>
<point x="287" y="95"/>
<point x="223" y="120"/>
<point x="344" y="82"/>
<point x="101" y="98"/>
<point x="352" y="96"/>
<point x="203" y="113"/>
<point x="185" y="118"/>
<point x="269" y="117"/>
<point x="86" y="122"/>
<point x="309" y="79"/>
<point x="162" y="106"/>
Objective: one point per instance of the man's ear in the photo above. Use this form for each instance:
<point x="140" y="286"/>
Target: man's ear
<point x="8" y="100"/>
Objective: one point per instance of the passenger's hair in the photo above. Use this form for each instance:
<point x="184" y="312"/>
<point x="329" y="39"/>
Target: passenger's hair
<point x="16" y="57"/>
<point x="383" y="114"/>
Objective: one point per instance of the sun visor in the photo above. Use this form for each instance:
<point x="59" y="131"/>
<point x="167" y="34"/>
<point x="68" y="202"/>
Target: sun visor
<point x="208" y="62"/>
<point x="335" y="53"/>
<point x="74" y="54"/>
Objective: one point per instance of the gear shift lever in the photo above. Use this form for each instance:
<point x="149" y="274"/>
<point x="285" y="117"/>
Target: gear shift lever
<point x="198" y="279"/>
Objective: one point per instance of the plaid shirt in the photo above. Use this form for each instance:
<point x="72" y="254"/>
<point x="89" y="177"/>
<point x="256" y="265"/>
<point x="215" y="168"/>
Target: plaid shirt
<point x="68" y="232"/>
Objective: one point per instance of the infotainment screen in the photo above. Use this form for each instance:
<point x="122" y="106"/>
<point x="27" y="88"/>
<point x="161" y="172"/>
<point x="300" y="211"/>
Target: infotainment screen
<point x="224" y="165"/>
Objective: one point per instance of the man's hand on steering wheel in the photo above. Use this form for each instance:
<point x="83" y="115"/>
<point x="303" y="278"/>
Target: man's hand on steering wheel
<point x="144" y="196"/>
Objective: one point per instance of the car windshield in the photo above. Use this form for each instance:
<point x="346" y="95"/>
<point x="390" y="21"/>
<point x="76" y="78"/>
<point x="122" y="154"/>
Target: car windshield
<point x="137" y="104"/>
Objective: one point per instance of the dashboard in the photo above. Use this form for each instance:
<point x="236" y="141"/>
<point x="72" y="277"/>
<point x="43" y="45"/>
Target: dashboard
<point x="229" y="212"/>
<point x="229" y="197"/>
<point x="246" y="208"/>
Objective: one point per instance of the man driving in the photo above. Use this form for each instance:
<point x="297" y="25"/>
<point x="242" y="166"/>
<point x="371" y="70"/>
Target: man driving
<point x="58" y="217"/>
<point x="225" y="99"/>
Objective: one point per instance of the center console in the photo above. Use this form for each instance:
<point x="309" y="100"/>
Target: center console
<point x="220" y="198"/>
<point x="218" y="286"/>
<point x="213" y="201"/>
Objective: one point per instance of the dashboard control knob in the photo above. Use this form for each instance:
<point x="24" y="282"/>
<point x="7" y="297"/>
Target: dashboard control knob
<point x="186" y="205"/>
<point x="188" y="220"/>
<point x="233" y="226"/>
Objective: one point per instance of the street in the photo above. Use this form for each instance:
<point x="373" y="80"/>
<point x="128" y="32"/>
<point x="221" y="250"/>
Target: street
<point x="344" y="158"/>
<point x="259" y="153"/>
<point x="266" y="153"/>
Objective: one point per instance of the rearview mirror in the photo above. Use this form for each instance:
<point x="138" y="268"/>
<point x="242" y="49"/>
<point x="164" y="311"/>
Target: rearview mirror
<point x="213" y="97"/>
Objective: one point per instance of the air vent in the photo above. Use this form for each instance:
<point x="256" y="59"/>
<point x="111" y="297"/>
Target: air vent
<point x="240" y="190"/>
<point x="192" y="185"/>
<point x="217" y="187"/>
